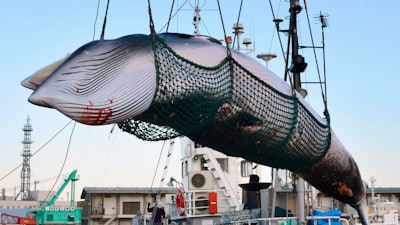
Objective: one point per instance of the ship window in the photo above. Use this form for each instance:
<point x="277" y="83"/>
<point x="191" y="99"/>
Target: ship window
<point x="71" y="218"/>
<point x="204" y="165"/>
<point x="184" y="168"/>
<point x="130" y="208"/>
<point x="223" y="163"/>
<point x="246" y="168"/>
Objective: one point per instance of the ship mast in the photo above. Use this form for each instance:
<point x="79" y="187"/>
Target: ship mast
<point x="298" y="64"/>
<point x="297" y="67"/>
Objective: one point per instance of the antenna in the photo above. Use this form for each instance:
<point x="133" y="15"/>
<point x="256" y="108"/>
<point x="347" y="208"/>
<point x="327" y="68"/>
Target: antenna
<point x="238" y="30"/>
<point x="322" y="18"/>
<point x="197" y="20"/>
<point x="266" y="57"/>
<point x="25" y="191"/>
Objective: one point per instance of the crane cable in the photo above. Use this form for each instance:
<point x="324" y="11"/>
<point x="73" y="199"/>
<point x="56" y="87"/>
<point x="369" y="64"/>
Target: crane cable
<point x="281" y="45"/>
<point x="228" y="50"/>
<point x="95" y="19"/>
<point x="170" y="14"/>
<point x="62" y="166"/>
<point x="104" y="22"/>
<point x="152" y="182"/>
<point x="237" y="24"/>
<point x="151" y="22"/>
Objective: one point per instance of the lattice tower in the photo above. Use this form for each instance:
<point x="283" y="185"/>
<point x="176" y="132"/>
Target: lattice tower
<point x="25" y="191"/>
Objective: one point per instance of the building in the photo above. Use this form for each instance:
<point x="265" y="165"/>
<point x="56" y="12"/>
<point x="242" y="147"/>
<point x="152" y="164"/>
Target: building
<point x="121" y="205"/>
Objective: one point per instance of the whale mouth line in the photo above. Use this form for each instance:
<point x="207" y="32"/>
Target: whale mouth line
<point x="90" y="113"/>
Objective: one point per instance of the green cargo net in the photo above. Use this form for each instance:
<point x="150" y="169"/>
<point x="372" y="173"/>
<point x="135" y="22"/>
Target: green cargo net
<point x="229" y="109"/>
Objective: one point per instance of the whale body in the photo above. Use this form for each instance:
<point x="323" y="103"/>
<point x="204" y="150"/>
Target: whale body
<point x="120" y="81"/>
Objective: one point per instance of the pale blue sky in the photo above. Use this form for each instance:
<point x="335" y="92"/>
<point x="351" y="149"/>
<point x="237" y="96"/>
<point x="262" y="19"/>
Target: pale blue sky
<point x="362" y="58"/>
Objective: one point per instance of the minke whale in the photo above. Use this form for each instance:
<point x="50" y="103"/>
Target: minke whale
<point x="197" y="88"/>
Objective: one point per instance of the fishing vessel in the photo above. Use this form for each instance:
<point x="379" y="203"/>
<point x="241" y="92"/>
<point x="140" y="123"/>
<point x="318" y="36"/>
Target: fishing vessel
<point x="216" y="188"/>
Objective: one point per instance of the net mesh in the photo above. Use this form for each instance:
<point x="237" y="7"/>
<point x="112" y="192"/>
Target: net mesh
<point x="229" y="109"/>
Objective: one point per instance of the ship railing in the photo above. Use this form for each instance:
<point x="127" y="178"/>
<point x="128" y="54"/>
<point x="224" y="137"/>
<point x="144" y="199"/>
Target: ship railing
<point x="267" y="221"/>
<point x="329" y="220"/>
<point x="197" y="202"/>
<point x="326" y="218"/>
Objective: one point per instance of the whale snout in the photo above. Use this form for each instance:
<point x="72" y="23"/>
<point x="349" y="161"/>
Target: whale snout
<point x="39" y="100"/>
<point x="90" y="113"/>
<point x="99" y="83"/>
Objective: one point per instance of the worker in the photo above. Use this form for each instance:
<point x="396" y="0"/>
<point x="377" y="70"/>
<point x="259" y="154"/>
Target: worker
<point x="158" y="212"/>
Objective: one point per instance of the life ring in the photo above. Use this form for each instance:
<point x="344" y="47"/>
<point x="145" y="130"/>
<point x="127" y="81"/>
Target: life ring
<point x="180" y="202"/>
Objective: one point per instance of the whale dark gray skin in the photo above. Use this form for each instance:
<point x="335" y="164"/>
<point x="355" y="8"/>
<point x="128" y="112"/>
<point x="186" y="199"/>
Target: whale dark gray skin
<point x="337" y="174"/>
<point x="111" y="81"/>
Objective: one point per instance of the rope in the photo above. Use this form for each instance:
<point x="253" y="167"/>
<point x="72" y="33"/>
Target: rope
<point x="324" y="59"/>
<point x="237" y="22"/>
<point x="95" y="20"/>
<point x="170" y="14"/>
<point x="280" y="43"/>
<point x="171" y="17"/>
<point x="158" y="163"/>
<point x="151" y="23"/>
<point x="275" y="29"/>
<point x="152" y="32"/>
<point x="315" y="57"/>
<point x="228" y="51"/>
<point x="287" y="64"/>
<point x="62" y="167"/>
<point x="105" y="22"/>
<point x="154" y="177"/>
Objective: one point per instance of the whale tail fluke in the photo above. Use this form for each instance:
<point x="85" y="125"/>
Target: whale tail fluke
<point x="362" y="213"/>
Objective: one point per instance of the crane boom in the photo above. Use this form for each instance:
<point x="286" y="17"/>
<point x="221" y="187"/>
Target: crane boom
<point x="72" y="177"/>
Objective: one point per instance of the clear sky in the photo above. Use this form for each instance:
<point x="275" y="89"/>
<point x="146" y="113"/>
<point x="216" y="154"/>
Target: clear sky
<point x="361" y="51"/>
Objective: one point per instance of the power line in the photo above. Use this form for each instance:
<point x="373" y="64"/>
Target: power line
<point x="37" y="151"/>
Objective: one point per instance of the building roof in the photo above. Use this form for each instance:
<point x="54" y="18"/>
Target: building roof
<point x="127" y="190"/>
<point x="18" y="212"/>
<point x="385" y="190"/>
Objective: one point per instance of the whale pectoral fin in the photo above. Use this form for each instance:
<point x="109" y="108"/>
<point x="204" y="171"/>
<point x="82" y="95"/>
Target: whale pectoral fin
<point x="35" y="80"/>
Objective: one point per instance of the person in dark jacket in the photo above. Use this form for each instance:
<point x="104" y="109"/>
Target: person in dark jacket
<point x="158" y="212"/>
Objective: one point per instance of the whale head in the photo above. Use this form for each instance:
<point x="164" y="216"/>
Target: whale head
<point x="99" y="82"/>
